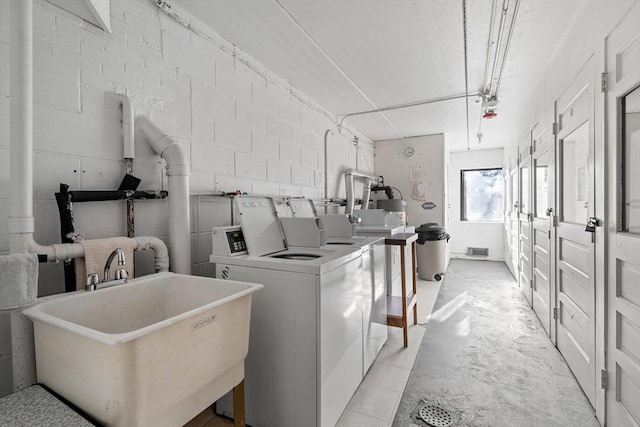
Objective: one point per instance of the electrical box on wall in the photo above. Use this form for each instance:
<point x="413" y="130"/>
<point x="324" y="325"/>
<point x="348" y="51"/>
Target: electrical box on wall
<point x="97" y="12"/>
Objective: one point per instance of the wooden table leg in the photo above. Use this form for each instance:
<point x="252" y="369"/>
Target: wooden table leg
<point x="415" y="281"/>
<point x="238" y="405"/>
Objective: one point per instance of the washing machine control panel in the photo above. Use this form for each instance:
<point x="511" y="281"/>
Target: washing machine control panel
<point x="229" y="241"/>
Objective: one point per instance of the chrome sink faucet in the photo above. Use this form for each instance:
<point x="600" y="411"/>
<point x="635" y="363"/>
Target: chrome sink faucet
<point x="93" y="282"/>
<point x="121" y="273"/>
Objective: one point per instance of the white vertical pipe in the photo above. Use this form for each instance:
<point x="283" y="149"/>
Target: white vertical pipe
<point x="21" y="120"/>
<point x="326" y="168"/>
<point x="178" y="173"/>
<point x="21" y="225"/>
<point x="179" y="227"/>
<point x="366" y="194"/>
<point x="349" y="188"/>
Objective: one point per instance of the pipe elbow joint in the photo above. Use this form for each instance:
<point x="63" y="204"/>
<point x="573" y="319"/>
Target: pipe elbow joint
<point x="177" y="162"/>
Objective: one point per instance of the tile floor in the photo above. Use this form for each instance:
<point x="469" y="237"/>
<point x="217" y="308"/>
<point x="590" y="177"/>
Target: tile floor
<point x="376" y="401"/>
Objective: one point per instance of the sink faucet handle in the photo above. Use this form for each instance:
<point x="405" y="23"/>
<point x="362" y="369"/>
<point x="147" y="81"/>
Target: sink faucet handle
<point x="92" y="281"/>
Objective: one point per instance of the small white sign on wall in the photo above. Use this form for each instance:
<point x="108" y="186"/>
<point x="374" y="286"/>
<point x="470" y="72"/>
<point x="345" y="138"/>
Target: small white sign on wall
<point x="415" y="174"/>
<point x="419" y="191"/>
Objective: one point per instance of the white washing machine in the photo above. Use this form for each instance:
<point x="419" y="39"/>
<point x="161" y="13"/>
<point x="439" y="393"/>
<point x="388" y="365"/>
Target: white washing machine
<point x="374" y="299"/>
<point x="305" y="342"/>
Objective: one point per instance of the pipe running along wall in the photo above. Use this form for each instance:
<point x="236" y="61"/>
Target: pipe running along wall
<point x="178" y="173"/>
<point x="349" y="176"/>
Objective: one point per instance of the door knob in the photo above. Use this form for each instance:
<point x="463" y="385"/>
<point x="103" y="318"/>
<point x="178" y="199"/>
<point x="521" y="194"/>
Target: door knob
<point x="592" y="223"/>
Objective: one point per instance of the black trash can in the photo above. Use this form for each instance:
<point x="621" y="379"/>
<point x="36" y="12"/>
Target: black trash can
<point x="432" y="251"/>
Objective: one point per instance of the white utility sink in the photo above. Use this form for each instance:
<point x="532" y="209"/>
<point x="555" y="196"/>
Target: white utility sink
<point x="155" y="351"/>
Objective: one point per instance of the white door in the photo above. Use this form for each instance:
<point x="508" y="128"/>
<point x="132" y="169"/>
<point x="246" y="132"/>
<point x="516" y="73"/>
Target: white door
<point x="575" y="259"/>
<point x="623" y="149"/>
<point x="543" y="165"/>
<point x="524" y="216"/>
<point x="513" y="218"/>
<point x="508" y="211"/>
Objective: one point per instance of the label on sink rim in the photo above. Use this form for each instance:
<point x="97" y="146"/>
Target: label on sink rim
<point x="203" y="322"/>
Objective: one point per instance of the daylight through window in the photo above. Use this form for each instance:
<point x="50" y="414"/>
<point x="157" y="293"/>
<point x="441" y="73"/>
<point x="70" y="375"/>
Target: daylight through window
<point x="481" y="193"/>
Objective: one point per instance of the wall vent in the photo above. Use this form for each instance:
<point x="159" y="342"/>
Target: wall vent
<point x="478" y="251"/>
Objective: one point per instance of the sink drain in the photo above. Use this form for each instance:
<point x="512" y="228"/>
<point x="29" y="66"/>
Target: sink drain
<point x="435" y="416"/>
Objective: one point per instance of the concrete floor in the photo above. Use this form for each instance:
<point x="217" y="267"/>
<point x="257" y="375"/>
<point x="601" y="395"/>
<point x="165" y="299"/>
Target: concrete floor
<point x="486" y="358"/>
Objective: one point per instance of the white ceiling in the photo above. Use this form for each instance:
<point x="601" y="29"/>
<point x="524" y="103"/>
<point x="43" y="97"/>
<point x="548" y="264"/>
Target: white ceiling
<point x="360" y="55"/>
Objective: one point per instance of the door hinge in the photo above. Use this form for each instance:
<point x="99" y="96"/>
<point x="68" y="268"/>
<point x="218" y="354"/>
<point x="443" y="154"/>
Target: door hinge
<point x="530" y="149"/>
<point x="549" y="234"/>
<point x="603" y="82"/>
<point x="604" y="379"/>
<point x="555" y="128"/>
<point x="531" y="283"/>
<point x="555" y="313"/>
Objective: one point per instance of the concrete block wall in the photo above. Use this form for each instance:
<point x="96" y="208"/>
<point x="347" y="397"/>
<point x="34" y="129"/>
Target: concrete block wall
<point x="243" y="127"/>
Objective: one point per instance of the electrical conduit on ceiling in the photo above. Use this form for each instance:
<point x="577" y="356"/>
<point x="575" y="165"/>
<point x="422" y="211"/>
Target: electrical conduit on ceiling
<point x="492" y="85"/>
<point x="333" y="63"/>
<point x="466" y="67"/>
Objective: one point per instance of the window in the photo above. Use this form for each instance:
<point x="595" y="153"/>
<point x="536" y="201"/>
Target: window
<point x="481" y="194"/>
<point x="542" y="185"/>
<point x="630" y="162"/>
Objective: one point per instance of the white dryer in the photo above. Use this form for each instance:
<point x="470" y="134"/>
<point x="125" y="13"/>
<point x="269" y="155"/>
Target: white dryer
<point x="305" y="343"/>
<point x="339" y="233"/>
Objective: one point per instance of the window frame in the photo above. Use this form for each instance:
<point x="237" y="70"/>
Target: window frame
<point x="623" y="216"/>
<point x="463" y="204"/>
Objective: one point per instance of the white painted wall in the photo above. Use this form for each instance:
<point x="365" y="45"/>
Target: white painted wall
<point x="427" y="166"/>
<point x="242" y="126"/>
<point x="466" y="234"/>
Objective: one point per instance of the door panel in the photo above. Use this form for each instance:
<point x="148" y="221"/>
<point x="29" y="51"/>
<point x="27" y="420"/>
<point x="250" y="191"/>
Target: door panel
<point x="524" y="220"/>
<point x="543" y="201"/>
<point x="508" y="206"/>
<point x="575" y="258"/>
<point x="515" y="256"/>
<point x="622" y="51"/>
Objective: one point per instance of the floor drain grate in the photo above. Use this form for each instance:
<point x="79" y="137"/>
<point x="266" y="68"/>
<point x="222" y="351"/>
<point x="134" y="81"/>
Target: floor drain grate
<point x="435" y="416"/>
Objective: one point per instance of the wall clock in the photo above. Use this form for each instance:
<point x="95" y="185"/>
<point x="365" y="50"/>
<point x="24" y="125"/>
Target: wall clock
<point x="408" y="152"/>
